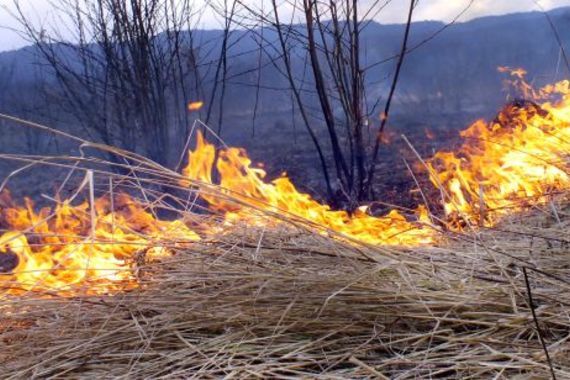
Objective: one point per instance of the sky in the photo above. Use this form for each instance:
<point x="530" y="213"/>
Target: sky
<point x="42" y="13"/>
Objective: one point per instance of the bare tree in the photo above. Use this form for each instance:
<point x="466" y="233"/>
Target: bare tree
<point x="131" y="66"/>
<point x="127" y="71"/>
<point x="328" y="40"/>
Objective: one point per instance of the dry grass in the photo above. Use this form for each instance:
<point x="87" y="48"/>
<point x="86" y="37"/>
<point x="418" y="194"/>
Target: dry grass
<point x="287" y="302"/>
<point x="290" y="303"/>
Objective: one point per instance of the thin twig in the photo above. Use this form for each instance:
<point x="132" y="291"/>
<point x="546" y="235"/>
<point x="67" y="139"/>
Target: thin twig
<point x="535" y="319"/>
<point x="384" y="116"/>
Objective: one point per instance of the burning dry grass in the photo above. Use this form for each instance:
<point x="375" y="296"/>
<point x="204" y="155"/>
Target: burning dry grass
<point x="287" y="303"/>
<point x="267" y="282"/>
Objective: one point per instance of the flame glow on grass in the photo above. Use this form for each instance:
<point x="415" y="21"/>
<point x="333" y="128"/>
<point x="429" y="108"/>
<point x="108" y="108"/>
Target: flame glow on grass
<point x="518" y="160"/>
<point x="248" y="185"/>
<point x="64" y="257"/>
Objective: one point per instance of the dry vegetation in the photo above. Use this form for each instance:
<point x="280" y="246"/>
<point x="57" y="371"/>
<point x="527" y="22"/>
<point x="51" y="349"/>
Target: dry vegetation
<point x="291" y="301"/>
<point x="287" y="302"/>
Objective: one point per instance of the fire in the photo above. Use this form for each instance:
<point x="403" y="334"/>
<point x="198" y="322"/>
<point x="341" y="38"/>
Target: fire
<point x="195" y="106"/>
<point x="64" y="251"/>
<point x="517" y="160"/>
<point x="247" y="184"/>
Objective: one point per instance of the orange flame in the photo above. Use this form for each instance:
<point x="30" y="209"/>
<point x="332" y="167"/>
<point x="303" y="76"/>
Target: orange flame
<point x="247" y="184"/>
<point x="195" y="106"/>
<point x="70" y="252"/>
<point x="517" y="160"/>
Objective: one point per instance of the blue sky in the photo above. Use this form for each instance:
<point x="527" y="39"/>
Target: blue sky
<point x="444" y="10"/>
